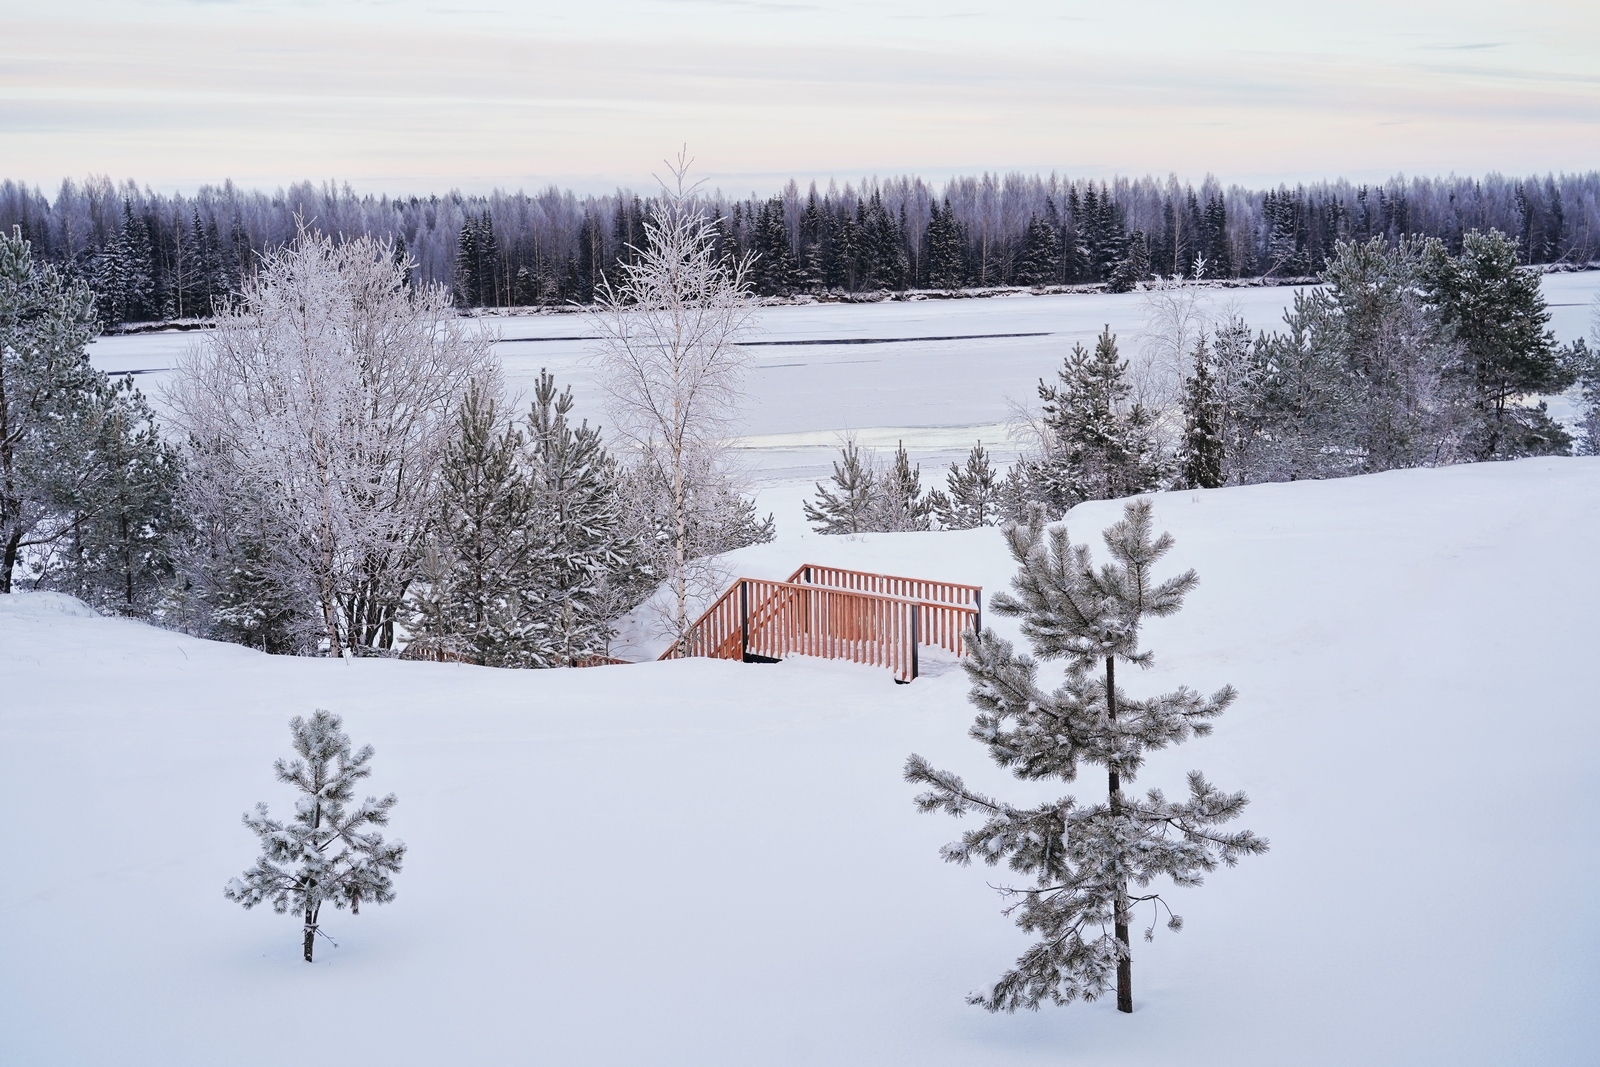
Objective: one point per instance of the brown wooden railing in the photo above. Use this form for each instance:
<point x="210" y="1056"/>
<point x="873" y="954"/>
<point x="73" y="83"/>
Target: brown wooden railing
<point x="893" y="585"/>
<point x="836" y="614"/>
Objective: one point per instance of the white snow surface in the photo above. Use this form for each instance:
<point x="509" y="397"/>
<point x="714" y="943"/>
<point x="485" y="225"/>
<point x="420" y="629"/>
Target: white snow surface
<point x="713" y="863"/>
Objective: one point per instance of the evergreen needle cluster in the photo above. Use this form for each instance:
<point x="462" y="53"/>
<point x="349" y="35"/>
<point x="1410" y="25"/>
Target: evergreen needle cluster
<point x="326" y="853"/>
<point x="1093" y="864"/>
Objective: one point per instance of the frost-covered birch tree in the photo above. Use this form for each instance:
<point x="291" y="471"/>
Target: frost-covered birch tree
<point x="326" y="853"/>
<point x="316" y="414"/>
<point x="669" y="327"/>
<point x="1093" y="864"/>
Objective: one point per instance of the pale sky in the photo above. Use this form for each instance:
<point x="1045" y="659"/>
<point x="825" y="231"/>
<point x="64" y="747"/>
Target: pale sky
<point x="411" y="96"/>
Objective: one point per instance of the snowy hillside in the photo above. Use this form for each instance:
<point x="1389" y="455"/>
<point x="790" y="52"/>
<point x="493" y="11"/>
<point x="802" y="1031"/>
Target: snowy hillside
<point x="711" y="863"/>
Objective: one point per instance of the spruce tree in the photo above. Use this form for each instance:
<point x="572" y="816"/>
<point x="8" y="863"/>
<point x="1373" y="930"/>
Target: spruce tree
<point x="1097" y="446"/>
<point x="582" y="551"/>
<point x="945" y="268"/>
<point x="474" y="606"/>
<point x="326" y="853"/>
<point x="1093" y="864"/>
<point x="849" y="510"/>
<point x="973" y="497"/>
<point x="1200" y="454"/>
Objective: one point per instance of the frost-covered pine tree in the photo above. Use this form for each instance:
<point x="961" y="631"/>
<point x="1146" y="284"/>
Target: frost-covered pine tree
<point x="583" y="549"/>
<point x="1094" y="444"/>
<point x="900" y="504"/>
<point x="481" y="557"/>
<point x="326" y="853"/>
<point x="973" y="496"/>
<point x="1093" y="864"/>
<point x="848" y="507"/>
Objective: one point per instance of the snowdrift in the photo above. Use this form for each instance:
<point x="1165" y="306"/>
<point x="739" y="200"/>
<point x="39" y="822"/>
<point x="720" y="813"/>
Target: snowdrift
<point x="714" y="863"/>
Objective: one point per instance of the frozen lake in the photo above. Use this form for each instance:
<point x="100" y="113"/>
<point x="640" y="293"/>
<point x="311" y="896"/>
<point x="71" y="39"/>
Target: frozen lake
<point x="937" y="374"/>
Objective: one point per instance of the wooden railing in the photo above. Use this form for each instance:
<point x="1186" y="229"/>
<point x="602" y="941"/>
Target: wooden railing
<point x="837" y="614"/>
<point x="893" y="585"/>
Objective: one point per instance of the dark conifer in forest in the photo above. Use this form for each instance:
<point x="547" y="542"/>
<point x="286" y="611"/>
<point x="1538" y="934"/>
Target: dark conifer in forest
<point x="945" y="268"/>
<point x="1092" y="864"/>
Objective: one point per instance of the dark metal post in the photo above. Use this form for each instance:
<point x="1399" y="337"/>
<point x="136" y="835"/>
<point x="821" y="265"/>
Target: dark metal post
<point x="977" y="624"/>
<point x="916" y="635"/>
<point x="744" y="619"/>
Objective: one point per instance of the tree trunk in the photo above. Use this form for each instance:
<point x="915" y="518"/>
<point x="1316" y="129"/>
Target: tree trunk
<point x="310" y="931"/>
<point x="8" y="561"/>
<point x="1125" y="964"/>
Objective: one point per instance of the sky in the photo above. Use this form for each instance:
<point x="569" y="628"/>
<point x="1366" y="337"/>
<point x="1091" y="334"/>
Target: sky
<point x="411" y="96"/>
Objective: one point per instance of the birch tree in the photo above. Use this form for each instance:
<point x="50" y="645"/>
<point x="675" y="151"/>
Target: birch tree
<point x="317" y="413"/>
<point x="669" y="326"/>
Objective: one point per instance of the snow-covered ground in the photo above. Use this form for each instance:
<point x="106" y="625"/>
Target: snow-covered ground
<point x="938" y="396"/>
<point x="712" y="863"/>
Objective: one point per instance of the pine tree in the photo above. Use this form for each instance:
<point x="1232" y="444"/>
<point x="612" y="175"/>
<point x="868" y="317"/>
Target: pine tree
<point x="1584" y="364"/>
<point x="118" y="554"/>
<point x="850" y="509"/>
<point x="326" y="853"/>
<point x="482" y="556"/>
<point x="973" y="497"/>
<point x="1097" y="446"/>
<point x="899" y="504"/>
<point x="1093" y="864"/>
<point x="1496" y="313"/>
<point x="1200" y="454"/>
<point x="583" y="552"/>
<point x="52" y="404"/>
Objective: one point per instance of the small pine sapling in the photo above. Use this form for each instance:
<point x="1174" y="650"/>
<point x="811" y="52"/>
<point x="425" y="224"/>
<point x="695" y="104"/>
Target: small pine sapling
<point x="850" y="510"/>
<point x="323" y="853"/>
<point x="974" y="497"/>
<point x="1092" y="864"/>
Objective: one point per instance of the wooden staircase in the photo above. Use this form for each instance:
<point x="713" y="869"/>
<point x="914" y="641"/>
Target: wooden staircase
<point x="877" y="619"/>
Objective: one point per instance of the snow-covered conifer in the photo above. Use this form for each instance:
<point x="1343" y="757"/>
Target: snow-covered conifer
<point x="973" y="497"/>
<point x="326" y="853"/>
<point x="1095" y="446"/>
<point x="849" y="507"/>
<point x="899" y="503"/>
<point x="1093" y="864"/>
<point x="481" y="555"/>
<point x="1200" y="451"/>
<point x="584" y="551"/>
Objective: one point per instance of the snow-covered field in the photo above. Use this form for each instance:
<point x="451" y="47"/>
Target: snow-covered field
<point x="712" y="863"/>
<point x="938" y="396"/>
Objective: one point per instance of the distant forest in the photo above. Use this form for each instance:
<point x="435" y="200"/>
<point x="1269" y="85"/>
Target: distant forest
<point x="151" y="256"/>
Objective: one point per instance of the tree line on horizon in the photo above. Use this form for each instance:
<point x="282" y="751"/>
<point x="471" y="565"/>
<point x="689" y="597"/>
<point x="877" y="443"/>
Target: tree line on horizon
<point x="152" y="256"/>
